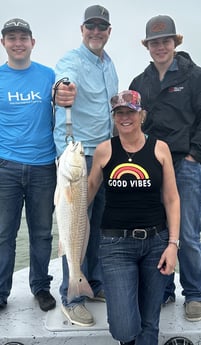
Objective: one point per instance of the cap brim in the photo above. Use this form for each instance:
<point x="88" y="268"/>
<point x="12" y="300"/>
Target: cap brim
<point x="178" y="39"/>
<point x="6" y="30"/>
<point x="94" y="17"/>
<point x="158" y="36"/>
<point x="136" y="108"/>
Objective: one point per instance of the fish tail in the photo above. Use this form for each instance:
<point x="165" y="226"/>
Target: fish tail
<point x="79" y="287"/>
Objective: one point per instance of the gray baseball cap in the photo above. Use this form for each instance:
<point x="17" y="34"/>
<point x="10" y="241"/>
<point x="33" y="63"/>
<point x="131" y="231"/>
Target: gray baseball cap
<point x="161" y="26"/>
<point x="16" y="24"/>
<point x="96" y="12"/>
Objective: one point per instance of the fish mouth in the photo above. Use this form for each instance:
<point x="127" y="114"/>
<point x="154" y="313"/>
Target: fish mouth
<point x="76" y="145"/>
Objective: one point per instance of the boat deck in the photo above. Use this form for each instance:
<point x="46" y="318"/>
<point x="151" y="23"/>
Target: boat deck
<point x="23" y="320"/>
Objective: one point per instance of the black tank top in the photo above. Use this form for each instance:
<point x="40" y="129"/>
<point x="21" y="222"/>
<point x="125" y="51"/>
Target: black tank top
<point x="133" y="189"/>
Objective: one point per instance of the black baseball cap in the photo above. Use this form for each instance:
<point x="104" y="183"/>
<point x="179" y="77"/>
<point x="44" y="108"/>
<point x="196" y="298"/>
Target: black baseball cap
<point x="16" y="24"/>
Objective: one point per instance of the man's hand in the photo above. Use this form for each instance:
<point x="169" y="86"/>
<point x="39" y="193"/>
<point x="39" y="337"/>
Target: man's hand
<point x="65" y="94"/>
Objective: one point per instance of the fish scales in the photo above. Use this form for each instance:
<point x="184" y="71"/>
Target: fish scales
<point x="71" y="214"/>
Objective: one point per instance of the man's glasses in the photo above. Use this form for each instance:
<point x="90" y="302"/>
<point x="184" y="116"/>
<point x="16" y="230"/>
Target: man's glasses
<point x="100" y="26"/>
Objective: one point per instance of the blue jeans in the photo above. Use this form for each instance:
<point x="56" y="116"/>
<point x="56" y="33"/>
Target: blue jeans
<point x="91" y="266"/>
<point x="188" y="176"/>
<point x="34" y="186"/>
<point x="134" y="287"/>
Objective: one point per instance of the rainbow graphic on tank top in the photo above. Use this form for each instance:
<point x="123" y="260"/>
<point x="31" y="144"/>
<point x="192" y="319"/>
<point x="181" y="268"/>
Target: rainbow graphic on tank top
<point x="129" y="168"/>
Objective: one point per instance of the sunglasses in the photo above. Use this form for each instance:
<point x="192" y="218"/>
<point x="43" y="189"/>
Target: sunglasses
<point x="100" y="26"/>
<point x="17" y="24"/>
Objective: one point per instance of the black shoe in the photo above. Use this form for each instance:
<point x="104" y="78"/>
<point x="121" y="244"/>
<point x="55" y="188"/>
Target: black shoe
<point x="167" y="299"/>
<point x="46" y="300"/>
<point x="3" y="304"/>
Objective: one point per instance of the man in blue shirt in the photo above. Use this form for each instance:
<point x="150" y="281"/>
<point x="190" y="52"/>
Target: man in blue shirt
<point x="27" y="160"/>
<point x="93" y="81"/>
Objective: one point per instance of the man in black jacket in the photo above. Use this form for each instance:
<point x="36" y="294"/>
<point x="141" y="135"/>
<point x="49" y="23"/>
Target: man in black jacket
<point x="171" y="94"/>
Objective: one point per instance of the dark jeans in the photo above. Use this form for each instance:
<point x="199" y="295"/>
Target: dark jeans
<point x="134" y="287"/>
<point x="34" y="186"/>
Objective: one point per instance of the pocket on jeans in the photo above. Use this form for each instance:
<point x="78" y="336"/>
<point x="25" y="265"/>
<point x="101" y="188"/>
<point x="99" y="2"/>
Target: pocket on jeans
<point x="107" y="241"/>
<point x="163" y="236"/>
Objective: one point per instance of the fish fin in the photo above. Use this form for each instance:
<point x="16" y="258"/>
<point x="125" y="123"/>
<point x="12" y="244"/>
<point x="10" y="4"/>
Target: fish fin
<point x="61" y="251"/>
<point x="68" y="194"/>
<point x="79" y="287"/>
<point x="84" y="248"/>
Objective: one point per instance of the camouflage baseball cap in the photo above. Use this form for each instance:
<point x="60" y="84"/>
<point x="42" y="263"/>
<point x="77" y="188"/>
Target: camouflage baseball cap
<point x="128" y="98"/>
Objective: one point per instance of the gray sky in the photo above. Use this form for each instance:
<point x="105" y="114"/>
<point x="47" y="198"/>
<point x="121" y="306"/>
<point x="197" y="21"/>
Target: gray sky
<point x="56" y="28"/>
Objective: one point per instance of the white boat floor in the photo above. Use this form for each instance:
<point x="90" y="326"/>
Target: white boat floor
<point x="23" y="320"/>
<point x="57" y="322"/>
<point x="173" y="322"/>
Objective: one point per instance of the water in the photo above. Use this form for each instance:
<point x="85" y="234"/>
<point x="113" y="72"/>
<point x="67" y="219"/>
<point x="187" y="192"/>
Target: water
<point x="22" y="248"/>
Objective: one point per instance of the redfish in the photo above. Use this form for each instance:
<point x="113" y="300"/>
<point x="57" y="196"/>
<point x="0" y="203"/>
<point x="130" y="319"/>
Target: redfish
<point x="71" y="215"/>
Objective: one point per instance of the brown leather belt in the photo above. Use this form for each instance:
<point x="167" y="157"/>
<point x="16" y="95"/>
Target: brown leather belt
<point x="140" y="234"/>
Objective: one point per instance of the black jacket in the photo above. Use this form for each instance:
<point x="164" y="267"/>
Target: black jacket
<point x="173" y="107"/>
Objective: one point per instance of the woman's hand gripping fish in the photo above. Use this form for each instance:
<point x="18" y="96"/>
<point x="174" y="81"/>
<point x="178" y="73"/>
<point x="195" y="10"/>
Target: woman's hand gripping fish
<point x="72" y="218"/>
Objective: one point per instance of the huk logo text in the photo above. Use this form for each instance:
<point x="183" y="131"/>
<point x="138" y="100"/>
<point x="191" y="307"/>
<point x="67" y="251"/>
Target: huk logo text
<point x="19" y="97"/>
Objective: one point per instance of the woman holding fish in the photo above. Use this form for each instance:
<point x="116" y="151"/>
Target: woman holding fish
<point x="140" y="224"/>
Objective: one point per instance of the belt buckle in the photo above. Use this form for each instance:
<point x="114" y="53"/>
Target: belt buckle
<point x="139" y="231"/>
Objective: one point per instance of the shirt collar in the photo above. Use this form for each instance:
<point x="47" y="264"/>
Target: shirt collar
<point x="173" y="66"/>
<point x="91" y="56"/>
